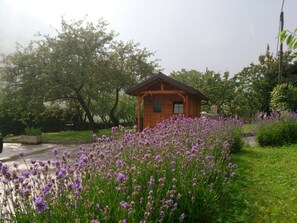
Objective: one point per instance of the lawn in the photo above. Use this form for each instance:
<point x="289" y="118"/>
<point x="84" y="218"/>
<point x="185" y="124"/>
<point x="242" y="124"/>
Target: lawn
<point x="68" y="135"/>
<point x="73" y="135"/>
<point x="265" y="189"/>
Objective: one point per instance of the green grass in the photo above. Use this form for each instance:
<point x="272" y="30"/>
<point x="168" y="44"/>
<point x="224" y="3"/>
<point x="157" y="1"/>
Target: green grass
<point x="265" y="189"/>
<point x="68" y="135"/>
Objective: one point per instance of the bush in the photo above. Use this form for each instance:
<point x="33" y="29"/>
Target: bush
<point x="10" y="126"/>
<point x="33" y="131"/>
<point x="274" y="132"/>
<point x="236" y="140"/>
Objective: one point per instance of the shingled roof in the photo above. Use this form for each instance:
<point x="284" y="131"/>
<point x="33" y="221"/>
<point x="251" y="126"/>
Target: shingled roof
<point x="160" y="76"/>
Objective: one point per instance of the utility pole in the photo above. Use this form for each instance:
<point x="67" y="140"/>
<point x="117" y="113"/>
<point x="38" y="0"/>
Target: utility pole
<point x="280" y="66"/>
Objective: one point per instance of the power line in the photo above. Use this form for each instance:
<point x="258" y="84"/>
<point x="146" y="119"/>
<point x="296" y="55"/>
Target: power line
<point x="283" y="5"/>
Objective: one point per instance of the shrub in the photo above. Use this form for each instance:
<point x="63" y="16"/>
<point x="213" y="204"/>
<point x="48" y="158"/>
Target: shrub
<point x="236" y="140"/>
<point x="277" y="132"/>
<point x="175" y="172"/>
<point x="33" y="131"/>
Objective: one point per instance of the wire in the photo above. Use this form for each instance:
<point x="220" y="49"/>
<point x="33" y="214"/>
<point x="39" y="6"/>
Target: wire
<point x="283" y="5"/>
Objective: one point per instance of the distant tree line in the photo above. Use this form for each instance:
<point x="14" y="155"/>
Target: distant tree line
<point x="248" y="91"/>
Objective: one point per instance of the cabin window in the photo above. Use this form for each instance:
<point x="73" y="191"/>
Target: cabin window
<point x="157" y="106"/>
<point x="178" y="107"/>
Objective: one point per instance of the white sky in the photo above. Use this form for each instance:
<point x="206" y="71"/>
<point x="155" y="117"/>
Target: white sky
<point x="221" y="35"/>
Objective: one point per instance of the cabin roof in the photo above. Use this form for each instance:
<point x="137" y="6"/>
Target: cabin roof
<point x="160" y="76"/>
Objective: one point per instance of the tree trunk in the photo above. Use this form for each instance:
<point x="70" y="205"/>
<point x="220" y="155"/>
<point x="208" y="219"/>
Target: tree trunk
<point x="86" y="109"/>
<point x="114" y="120"/>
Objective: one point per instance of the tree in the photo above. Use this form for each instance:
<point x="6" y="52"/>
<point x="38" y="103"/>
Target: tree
<point x="219" y="88"/>
<point x="284" y="97"/>
<point x="256" y="82"/>
<point x="21" y="97"/>
<point x="127" y="109"/>
<point x="83" y="65"/>
<point x="127" y="65"/>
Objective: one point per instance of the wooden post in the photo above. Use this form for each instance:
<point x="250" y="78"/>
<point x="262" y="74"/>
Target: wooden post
<point x="280" y="65"/>
<point x="138" y="112"/>
<point x="187" y="106"/>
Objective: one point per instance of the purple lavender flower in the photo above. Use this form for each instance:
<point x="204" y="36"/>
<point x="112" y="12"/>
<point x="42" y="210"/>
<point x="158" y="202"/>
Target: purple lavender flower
<point x="4" y="169"/>
<point x="7" y="192"/>
<point x="152" y="181"/>
<point x="70" y="186"/>
<point x="40" y="204"/>
<point x="21" y="154"/>
<point x="56" y="163"/>
<point x="26" y="174"/>
<point x="33" y="160"/>
<point x="5" y="181"/>
<point x="55" y="152"/>
<point x="158" y="157"/>
<point x="124" y="204"/>
<point x="120" y="163"/>
<point x="15" y="165"/>
<point x="121" y="177"/>
<point x="83" y="158"/>
<point x="233" y="174"/>
<point x="41" y="163"/>
<point x="21" y="179"/>
<point x="94" y="136"/>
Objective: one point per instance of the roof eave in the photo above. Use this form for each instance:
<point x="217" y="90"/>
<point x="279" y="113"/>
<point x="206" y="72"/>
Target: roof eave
<point x="134" y="90"/>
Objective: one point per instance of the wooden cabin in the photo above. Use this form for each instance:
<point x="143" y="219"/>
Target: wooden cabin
<point x="162" y="97"/>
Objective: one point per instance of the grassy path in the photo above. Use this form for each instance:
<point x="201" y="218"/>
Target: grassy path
<point x="266" y="187"/>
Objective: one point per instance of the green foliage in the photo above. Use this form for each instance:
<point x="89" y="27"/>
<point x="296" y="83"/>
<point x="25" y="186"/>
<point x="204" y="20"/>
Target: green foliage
<point x="290" y="38"/>
<point x="277" y="132"/>
<point x="127" y="109"/>
<point x="237" y="143"/>
<point x="33" y="131"/>
<point x="284" y="97"/>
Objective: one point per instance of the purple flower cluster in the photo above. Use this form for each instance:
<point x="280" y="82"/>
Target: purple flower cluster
<point x="141" y="176"/>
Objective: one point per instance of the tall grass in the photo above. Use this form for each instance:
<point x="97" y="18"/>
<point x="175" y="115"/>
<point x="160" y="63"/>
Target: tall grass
<point x="176" y="172"/>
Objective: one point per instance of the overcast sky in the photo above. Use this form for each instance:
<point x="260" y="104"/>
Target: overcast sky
<point x="221" y="35"/>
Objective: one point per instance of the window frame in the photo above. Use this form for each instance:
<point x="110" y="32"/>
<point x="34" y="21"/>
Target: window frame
<point x="179" y="106"/>
<point x="157" y="105"/>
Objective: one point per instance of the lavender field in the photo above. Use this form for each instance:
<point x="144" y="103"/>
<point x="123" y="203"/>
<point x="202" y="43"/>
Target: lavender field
<point x="175" y="172"/>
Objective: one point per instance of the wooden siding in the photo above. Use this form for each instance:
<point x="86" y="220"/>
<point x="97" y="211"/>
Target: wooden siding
<point x="151" y="118"/>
